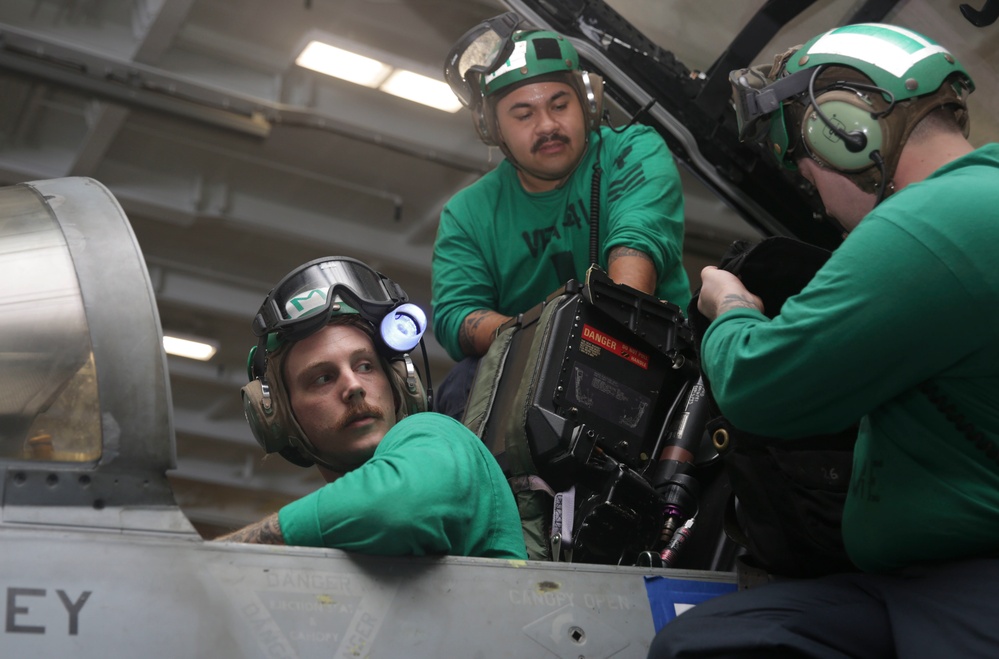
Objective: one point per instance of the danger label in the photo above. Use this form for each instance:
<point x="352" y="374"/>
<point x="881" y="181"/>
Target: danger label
<point x="611" y="344"/>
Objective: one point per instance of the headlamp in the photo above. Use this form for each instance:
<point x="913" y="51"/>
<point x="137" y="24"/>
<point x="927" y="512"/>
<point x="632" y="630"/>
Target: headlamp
<point x="402" y="328"/>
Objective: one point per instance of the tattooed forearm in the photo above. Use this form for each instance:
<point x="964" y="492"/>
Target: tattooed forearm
<point x="633" y="268"/>
<point x="475" y="333"/>
<point x="620" y="251"/>
<point x="265" y="532"/>
<point x="736" y="301"/>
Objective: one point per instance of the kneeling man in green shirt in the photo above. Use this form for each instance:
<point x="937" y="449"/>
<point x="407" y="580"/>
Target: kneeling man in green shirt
<point x="332" y="384"/>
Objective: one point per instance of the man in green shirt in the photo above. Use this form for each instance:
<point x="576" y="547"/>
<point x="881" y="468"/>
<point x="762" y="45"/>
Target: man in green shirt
<point x="328" y="389"/>
<point x="898" y="330"/>
<point x="524" y="229"/>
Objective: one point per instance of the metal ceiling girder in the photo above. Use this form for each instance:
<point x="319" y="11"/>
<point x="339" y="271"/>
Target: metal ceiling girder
<point x="136" y="85"/>
<point x="130" y="84"/>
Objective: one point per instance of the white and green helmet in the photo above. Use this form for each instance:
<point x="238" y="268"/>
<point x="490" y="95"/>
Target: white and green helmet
<point x="869" y="81"/>
<point x="904" y="62"/>
<point x="535" y="53"/>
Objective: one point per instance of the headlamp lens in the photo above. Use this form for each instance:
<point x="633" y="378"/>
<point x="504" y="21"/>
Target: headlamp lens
<point x="403" y="328"/>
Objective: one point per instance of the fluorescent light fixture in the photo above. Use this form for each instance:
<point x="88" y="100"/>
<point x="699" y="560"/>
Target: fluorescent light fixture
<point x="343" y="64"/>
<point x="421" y="89"/>
<point x="369" y="72"/>
<point x="189" y="348"/>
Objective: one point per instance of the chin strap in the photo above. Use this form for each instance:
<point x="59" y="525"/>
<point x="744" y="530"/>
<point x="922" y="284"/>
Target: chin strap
<point x="882" y="192"/>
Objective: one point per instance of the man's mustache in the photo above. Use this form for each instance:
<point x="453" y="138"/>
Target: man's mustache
<point x="554" y="137"/>
<point x="356" y="412"/>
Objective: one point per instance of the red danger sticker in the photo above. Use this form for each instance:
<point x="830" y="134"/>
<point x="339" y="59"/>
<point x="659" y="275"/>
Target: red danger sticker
<point x="611" y="344"/>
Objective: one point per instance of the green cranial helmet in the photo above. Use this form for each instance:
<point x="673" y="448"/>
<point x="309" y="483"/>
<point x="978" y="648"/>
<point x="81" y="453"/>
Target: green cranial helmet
<point x="849" y="98"/>
<point x="901" y="61"/>
<point x="535" y="53"/>
<point x="329" y="290"/>
<point x="535" y="56"/>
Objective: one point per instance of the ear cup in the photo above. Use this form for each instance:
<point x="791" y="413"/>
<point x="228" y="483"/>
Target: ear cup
<point x="406" y="381"/>
<point x="592" y="87"/>
<point x="268" y="424"/>
<point x="402" y="328"/>
<point x="261" y="417"/>
<point x="845" y="113"/>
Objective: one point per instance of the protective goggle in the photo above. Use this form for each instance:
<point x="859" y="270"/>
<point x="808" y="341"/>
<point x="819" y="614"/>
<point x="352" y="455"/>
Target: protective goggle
<point x="479" y="51"/>
<point x="759" y="103"/>
<point x="303" y="302"/>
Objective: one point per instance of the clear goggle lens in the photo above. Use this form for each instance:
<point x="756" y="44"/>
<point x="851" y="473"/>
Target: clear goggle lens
<point x="477" y="52"/>
<point x="302" y="302"/>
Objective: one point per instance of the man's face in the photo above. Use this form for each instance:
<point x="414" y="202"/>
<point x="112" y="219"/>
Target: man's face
<point x="843" y="200"/>
<point x="543" y="126"/>
<point x="340" y="394"/>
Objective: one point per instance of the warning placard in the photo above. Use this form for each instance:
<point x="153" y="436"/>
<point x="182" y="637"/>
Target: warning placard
<point x="609" y="343"/>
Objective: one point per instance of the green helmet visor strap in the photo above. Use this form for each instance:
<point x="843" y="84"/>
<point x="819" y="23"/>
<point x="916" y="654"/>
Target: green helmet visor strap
<point x="756" y="108"/>
<point x="479" y="51"/>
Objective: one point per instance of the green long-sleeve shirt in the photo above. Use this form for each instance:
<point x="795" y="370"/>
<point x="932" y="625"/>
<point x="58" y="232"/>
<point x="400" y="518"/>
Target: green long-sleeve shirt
<point x="431" y="487"/>
<point x="911" y="295"/>
<point x="504" y="249"/>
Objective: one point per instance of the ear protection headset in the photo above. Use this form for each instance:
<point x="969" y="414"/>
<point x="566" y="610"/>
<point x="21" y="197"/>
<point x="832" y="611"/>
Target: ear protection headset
<point x="875" y="83"/>
<point x="860" y="129"/>
<point x="302" y="303"/>
<point x="841" y="129"/>
<point x="268" y="409"/>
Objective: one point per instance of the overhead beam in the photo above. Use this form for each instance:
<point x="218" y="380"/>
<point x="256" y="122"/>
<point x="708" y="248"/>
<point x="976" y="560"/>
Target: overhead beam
<point x="104" y="120"/>
<point x="136" y="85"/>
<point x="157" y="24"/>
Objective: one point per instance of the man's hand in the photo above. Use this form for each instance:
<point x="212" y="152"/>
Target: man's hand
<point x="722" y="291"/>
<point x="265" y="532"/>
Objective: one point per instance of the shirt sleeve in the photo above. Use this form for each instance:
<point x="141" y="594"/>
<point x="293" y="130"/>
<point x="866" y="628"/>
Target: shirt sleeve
<point x="645" y="207"/>
<point x="461" y="282"/>
<point x="845" y="344"/>
<point x="408" y="499"/>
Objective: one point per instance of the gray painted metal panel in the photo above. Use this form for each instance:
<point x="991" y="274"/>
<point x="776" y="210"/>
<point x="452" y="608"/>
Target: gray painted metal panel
<point x="92" y="594"/>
